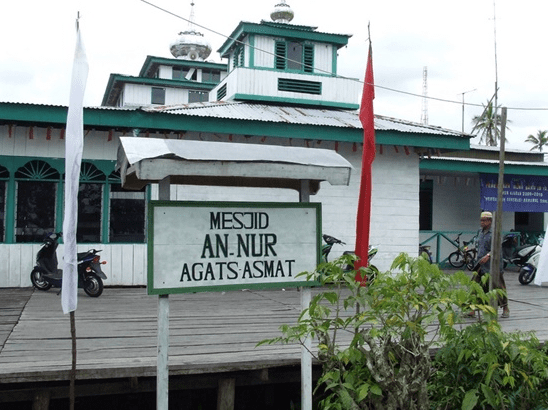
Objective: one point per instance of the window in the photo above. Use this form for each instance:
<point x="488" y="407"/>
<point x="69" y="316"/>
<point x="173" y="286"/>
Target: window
<point x="179" y="73"/>
<point x="36" y="195"/>
<point x="127" y="213"/>
<point x="106" y="212"/>
<point x="197" y="96"/>
<point x="221" y="92"/>
<point x="210" y="76"/>
<point x="158" y="96"/>
<point x="238" y="57"/>
<point x="299" y="86"/>
<point x="90" y="203"/>
<point x="4" y="175"/>
<point x="280" y="62"/>
<point x="294" y="56"/>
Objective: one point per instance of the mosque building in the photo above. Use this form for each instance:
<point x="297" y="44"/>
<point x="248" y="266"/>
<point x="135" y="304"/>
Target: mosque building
<point x="280" y="87"/>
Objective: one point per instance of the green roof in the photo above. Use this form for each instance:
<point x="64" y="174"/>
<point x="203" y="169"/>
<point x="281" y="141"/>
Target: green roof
<point x="289" y="31"/>
<point x="128" y="119"/>
<point x="151" y="64"/>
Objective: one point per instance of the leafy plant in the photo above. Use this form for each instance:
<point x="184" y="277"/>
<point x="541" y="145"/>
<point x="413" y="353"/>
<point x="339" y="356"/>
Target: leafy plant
<point x="481" y="367"/>
<point x="374" y="341"/>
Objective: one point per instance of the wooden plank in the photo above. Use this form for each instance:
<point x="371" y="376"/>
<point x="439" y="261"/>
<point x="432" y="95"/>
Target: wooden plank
<point x="209" y="332"/>
<point x="12" y="303"/>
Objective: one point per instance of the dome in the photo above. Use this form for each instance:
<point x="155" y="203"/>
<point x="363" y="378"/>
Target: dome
<point x="190" y="45"/>
<point x="282" y="13"/>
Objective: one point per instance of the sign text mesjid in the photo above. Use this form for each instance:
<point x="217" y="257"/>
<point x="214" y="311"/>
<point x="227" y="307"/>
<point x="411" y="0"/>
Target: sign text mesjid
<point x="208" y="246"/>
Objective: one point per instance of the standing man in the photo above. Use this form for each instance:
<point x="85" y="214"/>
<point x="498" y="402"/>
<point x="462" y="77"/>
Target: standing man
<point x="484" y="258"/>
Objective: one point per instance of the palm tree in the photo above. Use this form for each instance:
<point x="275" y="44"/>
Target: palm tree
<point x="487" y="125"/>
<point x="539" y="141"/>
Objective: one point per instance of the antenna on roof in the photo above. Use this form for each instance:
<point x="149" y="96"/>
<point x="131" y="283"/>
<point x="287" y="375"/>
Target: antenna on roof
<point x="424" y="113"/>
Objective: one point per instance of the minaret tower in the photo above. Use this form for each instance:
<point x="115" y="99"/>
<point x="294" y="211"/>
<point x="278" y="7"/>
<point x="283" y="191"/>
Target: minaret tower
<point x="191" y="44"/>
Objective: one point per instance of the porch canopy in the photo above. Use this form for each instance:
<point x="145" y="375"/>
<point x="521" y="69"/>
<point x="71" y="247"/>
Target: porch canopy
<point x="150" y="160"/>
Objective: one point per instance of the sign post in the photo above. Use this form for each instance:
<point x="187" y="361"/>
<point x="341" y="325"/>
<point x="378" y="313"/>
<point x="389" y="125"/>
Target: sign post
<point x="306" y="297"/>
<point x="218" y="246"/>
<point x="162" y="367"/>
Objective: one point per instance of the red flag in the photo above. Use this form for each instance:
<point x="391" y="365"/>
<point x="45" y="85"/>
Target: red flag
<point x="364" y="204"/>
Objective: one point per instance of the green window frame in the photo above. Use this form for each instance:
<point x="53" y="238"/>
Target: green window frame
<point x="294" y="56"/>
<point x="90" y="204"/>
<point x="36" y="201"/>
<point x="4" y="178"/>
<point x="158" y="95"/>
<point x="127" y="212"/>
<point x="238" y="58"/>
<point x="31" y="202"/>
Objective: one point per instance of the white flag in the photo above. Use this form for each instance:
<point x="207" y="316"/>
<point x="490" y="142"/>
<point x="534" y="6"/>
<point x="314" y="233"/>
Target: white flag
<point x="74" y="145"/>
<point x="541" y="277"/>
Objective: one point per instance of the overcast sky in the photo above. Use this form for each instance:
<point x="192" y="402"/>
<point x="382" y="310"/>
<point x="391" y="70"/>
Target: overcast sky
<point x="454" y="40"/>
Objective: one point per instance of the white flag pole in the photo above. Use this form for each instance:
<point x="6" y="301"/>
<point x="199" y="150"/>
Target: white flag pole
<point x="74" y="144"/>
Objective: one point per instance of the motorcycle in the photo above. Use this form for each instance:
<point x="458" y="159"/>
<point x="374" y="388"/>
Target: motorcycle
<point x="514" y="254"/>
<point x="46" y="273"/>
<point x="331" y="240"/>
<point x="528" y="271"/>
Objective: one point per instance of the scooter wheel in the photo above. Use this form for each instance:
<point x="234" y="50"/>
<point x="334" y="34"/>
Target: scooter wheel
<point x="38" y="280"/>
<point x="93" y="286"/>
<point x="526" y="276"/>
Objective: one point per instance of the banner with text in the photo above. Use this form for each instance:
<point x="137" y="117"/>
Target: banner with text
<point x="214" y="246"/>
<point x="521" y="193"/>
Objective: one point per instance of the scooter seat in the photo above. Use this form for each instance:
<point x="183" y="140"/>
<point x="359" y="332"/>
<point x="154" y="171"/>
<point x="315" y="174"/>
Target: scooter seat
<point x="82" y="255"/>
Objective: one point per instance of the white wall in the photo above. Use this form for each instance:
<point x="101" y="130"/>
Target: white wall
<point x="139" y="94"/>
<point x="96" y="143"/>
<point x="264" y="58"/>
<point x="395" y="204"/>
<point x="456" y="205"/>
<point x="395" y="213"/>
<point x="456" y="208"/>
<point x="323" y="58"/>
<point x="126" y="264"/>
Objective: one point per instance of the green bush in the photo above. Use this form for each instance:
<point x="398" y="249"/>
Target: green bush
<point x="374" y="342"/>
<point x="481" y="367"/>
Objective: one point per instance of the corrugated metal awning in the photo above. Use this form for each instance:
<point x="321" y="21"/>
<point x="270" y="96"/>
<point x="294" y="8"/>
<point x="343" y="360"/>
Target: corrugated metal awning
<point x="149" y="160"/>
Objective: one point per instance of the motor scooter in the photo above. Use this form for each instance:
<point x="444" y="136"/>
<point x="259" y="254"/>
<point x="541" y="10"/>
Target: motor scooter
<point x="331" y="240"/>
<point x="528" y="271"/>
<point x="514" y="254"/>
<point x="46" y="273"/>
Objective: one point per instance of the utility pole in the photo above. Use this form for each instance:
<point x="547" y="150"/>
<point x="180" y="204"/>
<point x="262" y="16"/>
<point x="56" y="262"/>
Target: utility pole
<point x="496" y="245"/>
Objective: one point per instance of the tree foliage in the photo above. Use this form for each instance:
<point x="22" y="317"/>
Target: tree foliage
<point x="539" y="141"/>
<point x="488" y="125"/>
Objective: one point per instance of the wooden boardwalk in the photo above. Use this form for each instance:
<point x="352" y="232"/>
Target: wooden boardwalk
<point x="209" y="332"/>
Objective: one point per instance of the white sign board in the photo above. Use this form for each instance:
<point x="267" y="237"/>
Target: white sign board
<point x="213" y="246"/>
